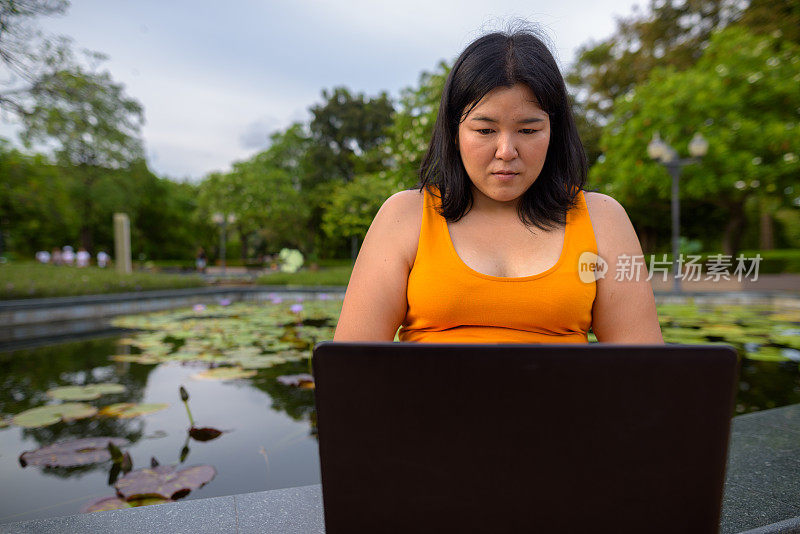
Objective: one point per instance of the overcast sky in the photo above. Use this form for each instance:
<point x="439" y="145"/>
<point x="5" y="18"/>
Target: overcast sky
<point x="216" y="78"/>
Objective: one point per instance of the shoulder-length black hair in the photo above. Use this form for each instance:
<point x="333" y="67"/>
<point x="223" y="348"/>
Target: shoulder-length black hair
<point x="502" y="60"/>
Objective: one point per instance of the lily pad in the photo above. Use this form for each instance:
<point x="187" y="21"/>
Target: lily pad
<point x="72" y="453"/>
<point x="768" y="354"/>
<point x="50" y="415"/>
<point x="224" y="373"/>
<point x="88" y="392"/>
<point x="106" y="504"/>
<point x="205" y="433"/>
<point x="260" y="362"/>
<point x="303" y="381"/>
<point x="144" y="359"/>
<point x="127" y="410"/>
<point x="163" y="481"/>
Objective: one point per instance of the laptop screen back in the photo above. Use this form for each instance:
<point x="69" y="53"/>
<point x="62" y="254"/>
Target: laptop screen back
<point x="500" y="438"/>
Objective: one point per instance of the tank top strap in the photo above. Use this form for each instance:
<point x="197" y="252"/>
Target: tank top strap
<point x="433" y="236"/>
<point x="581" y="233"/>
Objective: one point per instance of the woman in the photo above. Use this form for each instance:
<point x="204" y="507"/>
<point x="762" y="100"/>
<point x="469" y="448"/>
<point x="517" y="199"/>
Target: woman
<point x="497" y="243"/>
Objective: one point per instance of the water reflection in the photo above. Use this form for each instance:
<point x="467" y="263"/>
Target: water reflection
<point x="28" y="374"/>
<point x="269" y="429"/>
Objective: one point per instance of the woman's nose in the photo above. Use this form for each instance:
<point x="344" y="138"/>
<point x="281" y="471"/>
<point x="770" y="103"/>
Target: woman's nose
<point x="506" y="148"/>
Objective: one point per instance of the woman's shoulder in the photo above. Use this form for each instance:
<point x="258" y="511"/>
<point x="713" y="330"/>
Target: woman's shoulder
<point x="404" y="207"/>
<point x="603" y="208"/>
<point x="400" y="220"/>
<point x="612" y="227"/>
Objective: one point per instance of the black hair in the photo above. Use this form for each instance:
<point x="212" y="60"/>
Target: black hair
<point x="503" y="59"/>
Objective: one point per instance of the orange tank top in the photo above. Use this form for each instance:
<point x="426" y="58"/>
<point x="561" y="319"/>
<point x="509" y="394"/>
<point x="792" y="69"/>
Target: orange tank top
<point x="448" y="302"/>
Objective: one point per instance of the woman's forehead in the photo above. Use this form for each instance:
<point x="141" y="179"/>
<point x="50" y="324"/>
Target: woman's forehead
<point x="518" y="98"/>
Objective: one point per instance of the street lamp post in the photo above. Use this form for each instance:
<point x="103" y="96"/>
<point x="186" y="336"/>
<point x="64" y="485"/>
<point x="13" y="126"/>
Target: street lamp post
<point x="222" y="220"/>
<point x="666" y="155"/>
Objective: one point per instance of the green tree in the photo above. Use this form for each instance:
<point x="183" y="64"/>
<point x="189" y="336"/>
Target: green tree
<point x="769" y="16"/>
<point x="353" y="205"/>
<point x="344" y="136"/>
<point x="412" y="127"/>
<point x="162" y="211"/>
<point x="346" y="129"/>
<point x="35" y="206"/>
<point x="24" y="50"/>
<point x="94" y="126"/>
<point x="274" y="204"/>
<point x="669" y="33"/>
<point x="742" y="96"/>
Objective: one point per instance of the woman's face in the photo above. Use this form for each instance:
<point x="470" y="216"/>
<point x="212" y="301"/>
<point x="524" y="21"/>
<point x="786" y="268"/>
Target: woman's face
<point x="503" y="143"/>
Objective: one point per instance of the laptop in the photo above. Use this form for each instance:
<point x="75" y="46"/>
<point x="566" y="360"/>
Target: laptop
<point x="523" y="438"/>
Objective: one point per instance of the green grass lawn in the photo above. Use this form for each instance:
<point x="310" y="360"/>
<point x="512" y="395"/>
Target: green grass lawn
<point x="335" y="275"/>
<point x="21" y="280"/>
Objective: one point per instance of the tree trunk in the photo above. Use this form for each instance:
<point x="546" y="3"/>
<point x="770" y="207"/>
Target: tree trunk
<point x="88" y="178"/>
<point x="766" y="227"/>
<point x="244" y="238"/>
<point x="87" y="237"/>
<point x="732" y="237"/>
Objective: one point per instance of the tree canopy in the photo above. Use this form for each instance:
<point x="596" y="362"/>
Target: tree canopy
<point x="742" y="96"/>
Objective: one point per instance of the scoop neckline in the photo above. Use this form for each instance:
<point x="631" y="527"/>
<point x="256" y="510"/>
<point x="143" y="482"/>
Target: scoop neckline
<point x="526" y="278"/>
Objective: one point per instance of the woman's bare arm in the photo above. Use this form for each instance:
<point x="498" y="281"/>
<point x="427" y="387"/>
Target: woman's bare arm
<point x="624" y="310"/>
<point x="375" y="303"/>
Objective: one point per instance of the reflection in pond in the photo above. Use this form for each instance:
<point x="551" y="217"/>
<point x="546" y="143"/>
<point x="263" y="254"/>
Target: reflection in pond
<point x="130" y="390"/>
<point x="246" y="368"/>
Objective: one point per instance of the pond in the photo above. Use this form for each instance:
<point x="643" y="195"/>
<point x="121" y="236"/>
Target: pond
<point x="233" y="361"/>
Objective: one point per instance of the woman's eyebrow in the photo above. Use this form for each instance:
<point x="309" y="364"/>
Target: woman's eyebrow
<point x="521" y="121"/>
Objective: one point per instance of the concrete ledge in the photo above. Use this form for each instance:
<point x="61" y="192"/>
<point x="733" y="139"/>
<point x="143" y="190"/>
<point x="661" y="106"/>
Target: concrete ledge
<point x="790" y="526"/>
<point x="762" y="493"/>
<point x="289" y="511"/>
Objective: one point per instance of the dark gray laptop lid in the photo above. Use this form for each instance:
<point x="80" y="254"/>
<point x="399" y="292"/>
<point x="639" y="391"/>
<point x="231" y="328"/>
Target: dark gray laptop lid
<point x="506" y="438"/>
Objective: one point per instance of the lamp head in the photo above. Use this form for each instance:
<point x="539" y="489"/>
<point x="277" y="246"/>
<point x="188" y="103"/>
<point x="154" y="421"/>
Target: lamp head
<point x="698" y="146"/>
<point x="657" y="148"/>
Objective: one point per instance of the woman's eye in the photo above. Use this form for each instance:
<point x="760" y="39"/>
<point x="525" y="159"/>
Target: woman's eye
<point x="484" y="131"/>
<point x="528" y="130"/>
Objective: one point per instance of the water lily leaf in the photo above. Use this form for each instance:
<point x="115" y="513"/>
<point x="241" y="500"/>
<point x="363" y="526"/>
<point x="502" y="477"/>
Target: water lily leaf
<point x="224" y="373"/>
<point x="205" y="433"/>
<point x="88" y="392"/>
<point x="163" y="481"/>
<point x="768" y="354"/>
<point x="106" y="504"/>
<point x="792" y="341"/>
<point x="260" y="362"/>
<point x="303" y="381"/>
<point x="49" y="415"/>
<point x="144" y="359"/>
<point x="126" y="410"/>
<point x="72" y="453"/>
<point x="242" y="352"/>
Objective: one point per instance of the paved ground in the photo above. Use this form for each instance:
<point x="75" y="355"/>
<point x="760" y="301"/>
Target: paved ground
<point x="764" y="283"/>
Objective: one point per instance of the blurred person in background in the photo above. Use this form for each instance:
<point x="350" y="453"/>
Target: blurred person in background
<point x="83" y="257"/>
<point x="102" y="259"/>
<point x="67" y="255"/>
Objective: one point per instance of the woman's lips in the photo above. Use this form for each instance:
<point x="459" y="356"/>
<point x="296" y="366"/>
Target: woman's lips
<point x="505" y="175"/>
